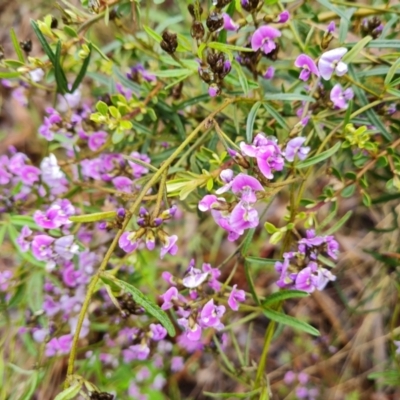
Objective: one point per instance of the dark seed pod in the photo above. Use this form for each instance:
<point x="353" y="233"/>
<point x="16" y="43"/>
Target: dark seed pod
<point x="214" y="22"/>
<point x="250" y="5"/>
<point x="101" y="396"/>
<point x="26" y="45"/>
<point x="197" y="30"/>
<point x="54" y="23"/>
<point x="169" y="42"/>
<point x="206" y="75"/>
<point x="222" y="3"/>
<point x="192" y="10"/>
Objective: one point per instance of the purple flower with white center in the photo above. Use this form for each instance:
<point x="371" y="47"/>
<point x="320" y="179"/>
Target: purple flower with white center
<point x="243" y="217"/>
<point x="235" y="297"/>
<point x="269" y="73"/>
<point x="42" y="247"/>
<point x="340" y="97"/>
<point x="157" y="332"/>
<point x="170" y="297"/>
<point x="308" y="67"/>
<point x="194" y="278"/>
<point x="97" y="139"/>
<point x="229" y="23"/>
<point x="214" y="274"/>
<point x="53" y="176"/>
<point x="136" y="352"/>
<point x="283" y="17"/>
<point x="306" y="280"/>
<point x="128" y="242"/>
<point x="169" y="246"/>
<point x="331" y="62"/>
<point x="324" y="277"/>
<point x="22" y="241"/>
<point x="210" y="315"/>
<point x="268" y="154"/>
<point x="192" y="329"/>
<point x="295" y="148"/>
<point x="263" y="38"/>
<point x="246" y="186"/>
<point x="65" y="247"/>
<point x="50" y="219"/>
<point x="331" y="27"/>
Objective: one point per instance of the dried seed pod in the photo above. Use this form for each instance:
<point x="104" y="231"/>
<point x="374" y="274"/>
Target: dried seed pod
<point x="26" y="45"/>
<point x="192" y="10"/>
<point x="221" y="3"/>
<point x="169" y="42"/>
<point x="197" y="30"/>
<point x="250" y="5"/>
<point x="214" y="22"/>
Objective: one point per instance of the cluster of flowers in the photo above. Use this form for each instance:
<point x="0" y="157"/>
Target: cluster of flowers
<point x="196" y="309"/>
<point x="304" y="269"/>
<point x="150" y="228"/>
<point x="237" y="216"/>
<point x="302" y="391"/>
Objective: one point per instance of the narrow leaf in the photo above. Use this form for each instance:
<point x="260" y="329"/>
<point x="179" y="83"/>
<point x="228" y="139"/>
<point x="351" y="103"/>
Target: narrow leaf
<point x="267" y="262"/>
<point x="320" y="157"/>
<point x="290" y="321"/>
<point x="344" y="24"/>
<point x="62" y="84"/>
<point x="393" y="69"/>
<point x="154" y="35"/>
<point x="16" y="46"/>
<point x="69" y="393"/>
<point x="250" y="282"/>
<point x="275" y="114"/>
<point x="83" y="70"/>
<point x="242" y="77"/>
<point x="43" y="42"/>
<point x="348" y="57"/>
<point x="9" y="75"/>
<point x="93" y="217"/>
<point x="250" y="121"/>
<point x="336" y="10"/>
<point x="283" y="295"/>
<point x="340" y="223"/>
<point x="152" y="308"/>
<point x="288" y="97"/>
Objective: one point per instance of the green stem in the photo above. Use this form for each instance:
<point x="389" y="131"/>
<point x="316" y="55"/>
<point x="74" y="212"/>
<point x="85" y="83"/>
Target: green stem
<point x="132" y="210"/>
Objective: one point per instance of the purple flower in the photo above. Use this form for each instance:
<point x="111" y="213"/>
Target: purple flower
<point x="140" y="70"/>
<point x="42" y="247"/>
<point x="330" y="62"/>
<point x="123" y="184"/>
<point x="214" y="274"/>
<point x="136" y="352"/>
<point x="340" y="97"/>
<point x="192" y="329"/>
<point x="137" y="169"/>
<point x="210" y="315"/>
<point x="214" y="90"/>
<point x="295" y="147"/>
<point x="65" y="247"/>
<point x="177" y="364"/>
<point x="59" y="346"/>
<point x="243" y="217"/>
<point x="229" y="24"/>
<point x="22" y="241"/>
<point x="169" y="246"/>
<point x="289" y="377"/>
<point x="324" y="277"/>
<point x="268" y="154"/>
<point x="269" y="73"/>
<point x="29" y="174"/>
<point x="236" y="296"/>
<point x="169" y="297"/>
<point x="128" y="242"/>
<point x="157" y="332"/>
<point x="283" y="17"/>
<point x="5" y="278"/>
<point x="246" y="186"/>
<point x="97" y="139"/>
<point x="194" y="278"/>
<point x="69" y="100"/>
<point x="308" y="66"/>
<point x="331" y="27"/>
<point x="306" y="280"/>
<point x="263" y="38"/>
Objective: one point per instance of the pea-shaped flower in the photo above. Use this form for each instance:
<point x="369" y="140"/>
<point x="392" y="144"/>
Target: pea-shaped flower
<point x="331" y="62"/>
<point x="263" y="38"/>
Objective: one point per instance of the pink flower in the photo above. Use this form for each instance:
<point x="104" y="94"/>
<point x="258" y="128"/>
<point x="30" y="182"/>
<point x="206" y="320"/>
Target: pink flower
<point x="229" y="24"/>
<point x="97" y="139"/>
<point x="269" y="73"/>
<point x="169" y="246"/>
<point x="157" y="332"/>
<point x="192" y="329"/>
<point x="128" y="242"/>
<point x="295" y="148"/>
<point x="236" y="296"/>
<point x="263" y="38"/>
<point x="308" y="66"/>
<point x="210" y="315"/>
<point x="340" y="97"/>
<point x="136" y="352"/>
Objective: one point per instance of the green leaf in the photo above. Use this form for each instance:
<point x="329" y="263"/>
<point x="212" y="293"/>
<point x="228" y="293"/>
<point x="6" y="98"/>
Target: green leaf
<point x="70" y="31"/>
<point x="93" y="217"/>
<point x="43" y="42"/>
<point x="33" y="384"/>
<point x="336" y="10"/>
<point x="250" y="121"/>
<point x="275" y="114"/>
<point x="267" y="262"/>
<point x="251" y="283"/>
<point x="82" y="71"/>
<point x="152" y="308"/>
<point x="371" y="115"/>
<point x="320" y="157"/>
<point x="384" y="44"/>
<point x="154" y="35"/>
<point x="62" y="84"/>
<point x="102" y="108"/>
<point x="224" y="47"/>
<point x="393" y="70"/>
<point x="339" y="223"/>
<point x="69" y="393"/>
<point x="348" y="57"/>
<point x="283" y="295"/>
<point x="288" y="97"/>
<point x="232" y="395"/>
<point x="242" y="77"/>
<point x="192" y="101"/>
<point x="247" y="241"/>
<point x="173" y="73"/>
<point x="344" y="24"/>
<point x="16" y="46"/>
<point x="290" y="321"/>
<point x="9" y="75"/>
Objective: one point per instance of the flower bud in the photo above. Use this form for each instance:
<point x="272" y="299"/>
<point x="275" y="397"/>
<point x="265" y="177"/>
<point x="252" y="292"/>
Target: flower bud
<point x="221" y="3"/>
<point x="192" y="10"/>
<point x="197" y="30"/>
<point x="214" y="22"/>
<point x="169" y="42"/>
